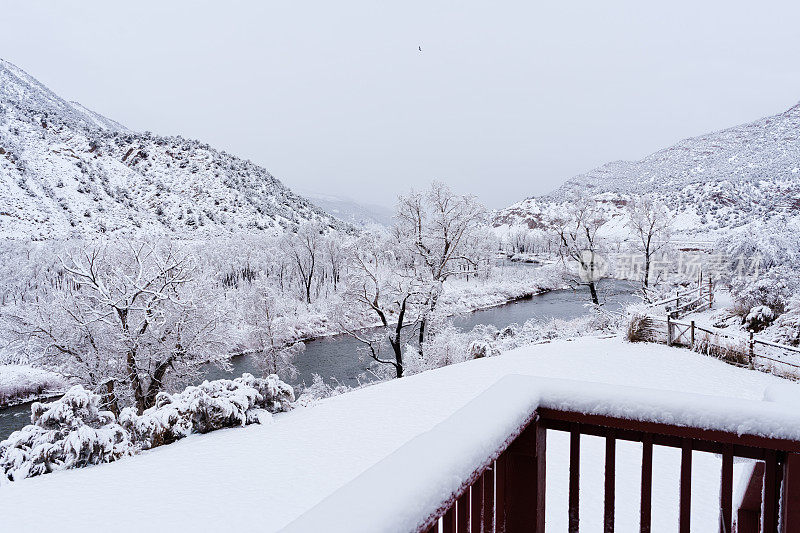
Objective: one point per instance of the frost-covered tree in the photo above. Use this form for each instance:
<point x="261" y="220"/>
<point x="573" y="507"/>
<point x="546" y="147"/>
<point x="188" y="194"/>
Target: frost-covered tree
<point x="305" y="250"/>
<point x="132" y="319"/>
<point x="274" y="345"/>
<point x="380" y="284"/>
<point x="650" y="222"/>
<point x="442" y="233"/>
<point x="580" y="244"/>
<point x="759" y="263"/>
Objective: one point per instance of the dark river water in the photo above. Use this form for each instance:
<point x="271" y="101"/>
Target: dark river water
<point x="337" y="357"/>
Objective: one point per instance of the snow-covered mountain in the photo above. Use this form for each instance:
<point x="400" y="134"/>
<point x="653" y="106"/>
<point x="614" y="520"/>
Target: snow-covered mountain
<point x="712" y="183"/>
<point x="67" y="171"/>
<point x="353" y="211"/>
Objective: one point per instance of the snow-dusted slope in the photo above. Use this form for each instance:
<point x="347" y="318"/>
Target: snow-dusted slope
<point x="352" y="211"/>
<point x="68" y="171"/>
<point x="713" y="182"/>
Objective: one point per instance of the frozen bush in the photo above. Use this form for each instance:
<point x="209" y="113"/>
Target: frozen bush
<point x="209" y="406"/>
<point x="319" y="390"/>
<point x="773" y="289"/>
<point x="639" y="328"/>
<point x="759" y="318"/>
<point x="786" y="328"/>
<point x="71" y="432"/>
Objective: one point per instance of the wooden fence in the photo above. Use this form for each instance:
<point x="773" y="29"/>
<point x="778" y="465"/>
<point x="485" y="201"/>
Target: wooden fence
<point x="749" y="351"/>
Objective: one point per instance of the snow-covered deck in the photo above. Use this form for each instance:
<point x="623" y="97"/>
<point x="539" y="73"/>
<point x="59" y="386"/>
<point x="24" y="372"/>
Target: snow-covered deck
<point x="265" y="477"/>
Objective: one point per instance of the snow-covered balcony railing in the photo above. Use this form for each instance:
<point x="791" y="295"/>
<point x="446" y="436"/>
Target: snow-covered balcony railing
<point x="483" y="469"/>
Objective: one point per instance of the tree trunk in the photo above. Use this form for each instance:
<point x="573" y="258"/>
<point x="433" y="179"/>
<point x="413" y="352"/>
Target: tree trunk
<point x="109" y="398"/>
<point x="398" y="357"/>
<point x="593" y="292"/>
<point x="421" y="333"/>
<point x="646" y="269"/>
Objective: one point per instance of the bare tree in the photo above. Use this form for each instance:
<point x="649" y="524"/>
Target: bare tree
<point x="440" y="229"/>
<point x="336" y="258"/>
<point x="580" y="244"/>
<point x="131" y="319"/>
<point x="305" y="249"/>
<point x="276" y="350"/>
<point x="379" y="283"/>
<point x="650" y="221"/>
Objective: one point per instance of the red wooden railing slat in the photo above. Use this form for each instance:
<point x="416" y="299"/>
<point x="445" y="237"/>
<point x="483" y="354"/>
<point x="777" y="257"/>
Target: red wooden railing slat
<point x="647" y="484"/>
<point x="541" y="475"/>
<point x="476" y="506"/>
<point x="520" y="497"/>
<point x="574" y="476"/>
<point x="770" y="501"/>
<point x="608" y="516"/>
<point x="685" y="520"/>
<point x="488" y="500"/>
<point x="462" y="513"/>
<point x="449" y="521"/>
<point x="500" y="477"/>
<point x="790" y="495"/>
<point x="726" y="492"/>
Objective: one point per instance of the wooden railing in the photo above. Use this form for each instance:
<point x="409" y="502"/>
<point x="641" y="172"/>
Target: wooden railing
<point x="688" y="301"/>
<point x="508" y="496"/>
<point x="483" y="468"/>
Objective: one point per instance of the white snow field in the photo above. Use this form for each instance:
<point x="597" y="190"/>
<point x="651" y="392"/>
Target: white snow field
<point x="266" y="477"/>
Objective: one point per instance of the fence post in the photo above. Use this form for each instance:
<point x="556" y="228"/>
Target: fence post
<point x="523" y="484"/>
<point x="751" y="350"/>
<point x="669" y="329"/>
<point x="692" y="335"/>
<point x="677" y="300"/>
<point x="710" y="293"/>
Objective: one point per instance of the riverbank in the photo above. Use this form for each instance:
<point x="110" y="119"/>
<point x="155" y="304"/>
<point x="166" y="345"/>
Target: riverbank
<point x="506" y="284"/>
<point x="22" y="383"/>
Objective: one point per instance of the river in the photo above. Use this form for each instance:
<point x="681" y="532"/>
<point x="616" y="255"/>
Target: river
<point x="336" y="357"/>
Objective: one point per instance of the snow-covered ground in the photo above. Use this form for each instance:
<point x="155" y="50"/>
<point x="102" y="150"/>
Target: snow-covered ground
<point x="264" y="477"/>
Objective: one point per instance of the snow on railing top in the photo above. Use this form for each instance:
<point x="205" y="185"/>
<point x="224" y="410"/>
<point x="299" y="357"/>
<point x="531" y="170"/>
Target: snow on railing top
<point x="421" y="478"/>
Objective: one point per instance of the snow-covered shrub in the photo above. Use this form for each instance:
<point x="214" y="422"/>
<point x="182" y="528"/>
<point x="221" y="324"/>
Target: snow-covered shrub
<point x="759" y="318"/>
<point x="450" y="345"/>
<point x="73" y="432"/>
<point x="786" y="328"/>
<point x="772" y="289"/>
<point x="638" y="329"/>
<point x="207" y="407"/>
<point x="480" y="349"/>
<point x="276" y="396"/>
<point x="69" y="433"/>
<point x="732" y="352"/>
<point x="319" y="390"/>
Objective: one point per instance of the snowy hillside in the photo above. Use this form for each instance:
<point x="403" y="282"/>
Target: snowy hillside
<point x="68" y="171"/>
<point x="714" y="182"/>
<point x="352" y="211"/>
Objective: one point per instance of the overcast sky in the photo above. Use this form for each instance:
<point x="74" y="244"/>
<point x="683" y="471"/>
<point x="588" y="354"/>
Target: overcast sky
<point x="505" y="100"/>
